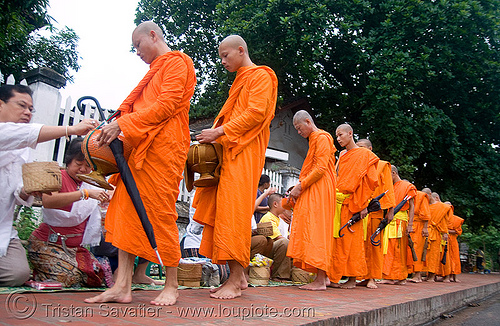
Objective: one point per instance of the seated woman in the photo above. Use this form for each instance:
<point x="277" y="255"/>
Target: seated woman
<point x="71" y="219"/>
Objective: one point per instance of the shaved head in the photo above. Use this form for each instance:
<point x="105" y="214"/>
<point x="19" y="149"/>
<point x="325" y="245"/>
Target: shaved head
<point x="345" y="127"/>
<point x="147" y="27"/>
<point x="427" y="191"/>
<point x="394" y="169"/>
<point x="448" y="203"/>
<point x="364" y="143"/>
<point x="301" y="117"/>
<point x="435" y="196"/>
<point x="235" y="41"/>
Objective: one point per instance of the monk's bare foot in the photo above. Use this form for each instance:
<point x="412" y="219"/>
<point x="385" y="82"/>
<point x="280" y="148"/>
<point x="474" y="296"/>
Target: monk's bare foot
<point x="446" y="279"/>
<point x="363" y="282"/>
<point x="350" y="284"/>
<point x="391" y="282"/>
<point x="316" y="285"/>
<point x="167" y="297"/>
<point x="431" y="278"/>
<point x="244" y="282"/>
<point x="334" y="285"/>
<point x="144" y="279"/>
<point x="415" y="280"/>
<point x="400" y="282"/>
<point x="229" y="290"/>
<point x="114" y="294"/>
<point x="371" y="284"/>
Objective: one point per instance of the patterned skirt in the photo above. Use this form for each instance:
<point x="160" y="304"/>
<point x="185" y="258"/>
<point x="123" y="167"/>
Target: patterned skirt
<point x="72" y="266"/>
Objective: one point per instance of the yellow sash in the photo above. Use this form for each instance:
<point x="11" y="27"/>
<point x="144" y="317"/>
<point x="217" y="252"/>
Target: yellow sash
<point x="338" y="207"/>
<point x="392" y="231"/>
<point x="365" y="226"/>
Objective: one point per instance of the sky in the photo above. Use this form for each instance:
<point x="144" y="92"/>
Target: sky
<point x="109" y="71"/>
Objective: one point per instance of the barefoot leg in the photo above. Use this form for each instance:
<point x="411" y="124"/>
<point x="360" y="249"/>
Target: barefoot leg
<point x="232" y="288"/>
<point x="371" y="284"/>
<point x="350" y="284"/>
<point x="120" y="292"/>
<point x="319" y="284"/>
<point x="169" y="294"/>
<point x="417" y="278"/>
<point x="140" y="276"/>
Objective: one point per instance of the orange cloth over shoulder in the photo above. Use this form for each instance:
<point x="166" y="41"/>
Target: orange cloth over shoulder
<point x="311" y="235"/>
<point x="374" y="255"/>
<point x="401" y="190"/>
<point x="357" y="177"/>
<point x="155" y="121"/>
<point x="226" y="210"/>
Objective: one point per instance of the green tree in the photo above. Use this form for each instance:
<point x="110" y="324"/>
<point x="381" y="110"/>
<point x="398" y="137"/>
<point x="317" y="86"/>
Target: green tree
<point x="421" y="79"/>
<point x="23" y="44"/>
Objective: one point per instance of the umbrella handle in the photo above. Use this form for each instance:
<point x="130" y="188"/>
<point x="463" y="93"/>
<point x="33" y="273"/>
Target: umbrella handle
<point x="374" y="242"/>
<point x="83" y="98"/>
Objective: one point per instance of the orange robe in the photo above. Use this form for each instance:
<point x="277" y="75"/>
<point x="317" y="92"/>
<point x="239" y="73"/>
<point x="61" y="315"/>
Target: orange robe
<point x="226" y="210"/>
<point x="440" y="215"/>
<point x="396" y="256"/>
<point x="374" y="255"/>
<point x="445" y="269"/>
<point x="154" y="120"/>
<point x="311" y="235"/>
<point x="356" y="177"/>
<point x="453" y="247"/>
<point x="421" y="217"/>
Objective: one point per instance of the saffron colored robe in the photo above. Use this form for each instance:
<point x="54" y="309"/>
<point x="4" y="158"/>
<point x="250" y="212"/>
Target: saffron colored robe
<point x="453" y="246"/>
<point x="226" y="210"/>
<point x="154" y="120"/>
<point x="438" y="225"/>
<point x="374" y="254"/>
<point x="421" y="217"/>
<point x="396" y="256"/>
<point x="356" y="180"/>
<point x="445" y="269"/>
<point x="311" y="235"/>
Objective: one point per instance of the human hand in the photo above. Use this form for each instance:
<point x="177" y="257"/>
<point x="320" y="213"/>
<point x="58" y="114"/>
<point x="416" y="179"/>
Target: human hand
<point x="270" y="191"/>
<point x="99" y="194"/>
<point x="445" y="236"/>
<point x="286" y="216"/>
<point x="83" y="127"/>
<point x="210" y="135"/>
<point x="425" y="232"/>
<point x="409" y="229"/>
<point x="108" y="133"/>
<point x="363" y="213"/>
<point x="296" y="191"/>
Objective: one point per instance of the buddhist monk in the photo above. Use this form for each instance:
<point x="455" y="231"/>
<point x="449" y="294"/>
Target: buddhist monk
<point x="454" y="231"/>
<point x="374" y="254"/>
<point x="419" y="235"/>
<point x="311" y="235"/>
<point x="444" y="270"/>
<point x="357" y="179"/>
<point x="396" y="233"/>
<point x="438" y="234"/>
<point x="242" y="127"/>
<point x="154" y="120"/>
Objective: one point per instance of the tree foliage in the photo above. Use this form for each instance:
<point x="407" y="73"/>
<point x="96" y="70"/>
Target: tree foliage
<point x="24" y="46"/>
<point x="420" y="79"/>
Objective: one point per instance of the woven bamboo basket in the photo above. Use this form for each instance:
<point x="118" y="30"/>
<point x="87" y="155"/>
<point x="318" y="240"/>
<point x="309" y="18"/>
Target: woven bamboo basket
<point x="259" y="275"/>
<point x="189" y="274"/>
<point x="265" y="229"/>
<point x="42" y="176"/>
<point x="301" y="276"/>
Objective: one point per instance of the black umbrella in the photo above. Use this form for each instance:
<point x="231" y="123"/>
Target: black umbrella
<point x="116" y="147"/>
<point x="129" y="182"/>
<point x="443" y="260"/>
<point x="385" y="222"/>
<point x="373" y="206"/>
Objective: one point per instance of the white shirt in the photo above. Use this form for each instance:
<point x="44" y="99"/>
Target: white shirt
<point x="194" y="230"/>
<point x="15" y="140"/>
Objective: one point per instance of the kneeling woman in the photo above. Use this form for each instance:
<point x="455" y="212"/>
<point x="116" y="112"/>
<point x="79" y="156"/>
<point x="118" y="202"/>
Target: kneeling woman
<point x="71" y="219"/>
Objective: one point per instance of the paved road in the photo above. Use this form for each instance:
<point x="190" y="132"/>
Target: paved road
<point x="486" y="314"/>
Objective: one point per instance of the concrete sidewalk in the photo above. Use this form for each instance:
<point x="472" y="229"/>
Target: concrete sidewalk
<point x="411" y="304"/>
